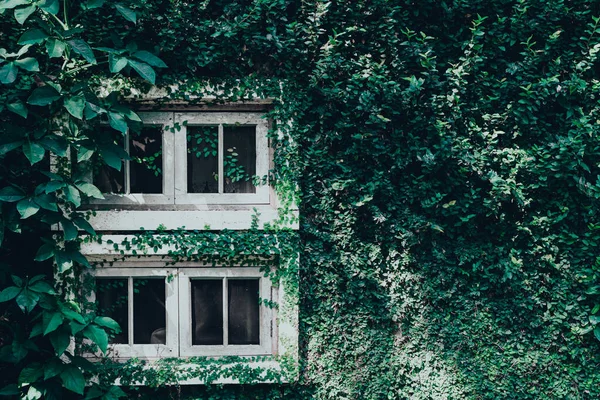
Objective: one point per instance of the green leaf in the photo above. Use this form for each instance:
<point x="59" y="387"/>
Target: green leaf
<point x="21" y="14"/>
<point x="69" y="230"/>
<point x="597" y="332"/>
<point x="53" y="368"/>
<point x="73" y="379"/>
<point x="73" y="315"/>
<point x="91" y="4"/>
<point x="107" y="323"/>
<point x="117" y="122"/>
<point x="27" y="208"/>
<point x="9" y="293"/>
<point x="30" y="374"/>
<point x="89" y="190"/>
<point x="116" y="63"/>
<point x="45" y="252"/>
<point x="52" y="320"/>
<point x="72" y="195"/>
<point x="97" y="335"/>
<point x="75" y="106"/>
<point x="33" y="36"/>
<point x="144" y="70"/>
<point x="8" y="4"/>
<point x="111" y="158"/>
<point x="7" y="147"/>
<point x="55" y="47"/>
<point x="83" y="49"/>
<point x="10" y="390"/>
<point x="34" y="152"/>
<point x="127" y="13"/>
<point x="60" y="339"/>
<point x="150" y="58"/>
<point x="28" y="64"/>
<point x="79" y="258"/>
<point x="42" y="287"/>
<point x="84" y="154"/>
<point x="83" y="224"/>
<point x="50" y="6"/>
<point x="43" y="96"/>
<point x="63" y="261"/>
<point x="27" y="299"/>
<point x="57" y="144"/>
<point x="11" y="194"/>
<point x="8" y="73"/>
<point x="18" y="108"/>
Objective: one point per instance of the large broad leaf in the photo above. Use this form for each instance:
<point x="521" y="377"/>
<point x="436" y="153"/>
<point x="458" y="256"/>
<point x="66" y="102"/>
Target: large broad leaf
<point x="83" y="224"/>
<point x="11" y="194"/>
<point x="18" y="108"/>
<point x="75" y="106"/>
<point x="8" y="73"/>
<point x="50" y="6"/>
<point x="34" y="152"/>
<point x="145" y="71"/>
<point x="27" y="208"/>
<point x="53" y="367"/>
<point x="91" y="4"/>
<point x="79" y="258"/>
<point x="73" y="379"/>
<point x="116" y="63"/>
<point x="33" y="36"/>
<point x="42" y="287"/>
<point x="111" y="158"/>
<point x="47" y="202"/>
<point x="27" y="299"/>
<point x="69" y="229"/>
<point x="28" y="64"/>
<point x="51" y="321"/>
<point x="7" y="5"/>
<point x="83" y="49"/>
<point x="89" y="190"/>
<point x="84" y="154"/>
<point x="63" y="261"/>
<point x="43" y="96"/>
<point x="107" y="323"/>
<point x="72" y="195"/>
<point x="21" y="14"/>
<point x="45" y="252"/>
<point x="117" y="121"/>
<point x="127" y="13"/>
<point x="55" y="47"/>
<point x="9" y="293"/>
<point x="30" y="374"/>
<point x="60" y="339"/>
<point x="150" y="58"/>
<point x="10" y="390"/>
<point x="97" y="335"/>
<point x="56" y="144"/>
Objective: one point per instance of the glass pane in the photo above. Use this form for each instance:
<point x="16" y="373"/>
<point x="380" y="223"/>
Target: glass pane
<point x="243" y="311"/>
<point x="239" y="159"/>
<point x="149" y="313"/>
<point x="145" y="167"/>
<point x="207" y="312"/>
<point x="202" y="160"/>
<point x="111" y="297"/>
<point x="106" y="178"/>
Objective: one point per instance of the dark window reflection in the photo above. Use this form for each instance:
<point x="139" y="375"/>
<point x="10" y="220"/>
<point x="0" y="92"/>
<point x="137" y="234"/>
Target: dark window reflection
<point x="243" y="311"/>
<point x="145" y="149"/>
<point x="111" y="297"/>
<point x="239" y="158"/>
<point x="202" y="159"/>
<point x="207" y="312"/>
<point x="149" y="313"/>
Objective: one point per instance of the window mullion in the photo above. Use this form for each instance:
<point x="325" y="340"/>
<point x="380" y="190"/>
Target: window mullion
<point x="130" y="310"/>
<point x="220" y="159"/>
<point x="225" y="314"/>
<point x="126" y="166"/>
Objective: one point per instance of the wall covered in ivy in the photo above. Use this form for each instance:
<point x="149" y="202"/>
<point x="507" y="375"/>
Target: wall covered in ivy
<point x="448" y="163"/>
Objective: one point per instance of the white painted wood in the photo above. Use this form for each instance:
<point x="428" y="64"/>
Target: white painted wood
<point x="220" y="156"/>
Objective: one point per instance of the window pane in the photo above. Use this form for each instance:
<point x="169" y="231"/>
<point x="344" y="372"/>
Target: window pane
<point x="149" y="313"/>
<point x="239" y="159"/>
<point x="106" y="178"/>
<point x="145" y="166"/>
<point x="202" y="160"/>
<point x="111" y="297"/>
<point x="243" y="311"/>
<point x="207" y="312"/>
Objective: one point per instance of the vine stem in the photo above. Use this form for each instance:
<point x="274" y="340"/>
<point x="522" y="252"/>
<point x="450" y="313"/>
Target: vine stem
<point x="65" y="14"/>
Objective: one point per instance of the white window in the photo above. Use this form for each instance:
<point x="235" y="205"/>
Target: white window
<point x="189" y="158"/>
<point x="186" y="310"/>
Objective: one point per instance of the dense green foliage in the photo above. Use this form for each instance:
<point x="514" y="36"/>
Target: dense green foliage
<point x="448" y="164"/>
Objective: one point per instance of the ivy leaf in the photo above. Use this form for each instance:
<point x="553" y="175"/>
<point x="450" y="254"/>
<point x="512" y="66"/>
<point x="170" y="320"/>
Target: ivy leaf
<point x="27" y="208"/>
<point x="34" y="152"/>
<point x="73" y="379"/>
<point x="9" y="293"/>
<point x="50" y="6"/>
<point x="8" y="73"/>
<point x="18" y="108"/>
<point x="33" y="36"/>
<point x="83" y="49"/>
<point x="69" y="229"/>
<point x="43" y="96"/>
<point x="9" y="4"/>
<point x="27" y="299"/>
<point x="107" y="323"/>
<point x="28" y="64"/>
<point x="72" y="195"/>
<point x="117" y="122"/>
<point x="55" y="47"/>
<point x="89" y="190"/>
<point x="127" y="13"/>
<point x="21" y="14"/>
<point x="45" y="252"/>
<point x="150" y="58"/>
<point x="75" y="105"/>
<point x="11" y="194"/>
<point x="97" y="335"/>
<point x="116" y="63"/>
<point x="144" y="70"/>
